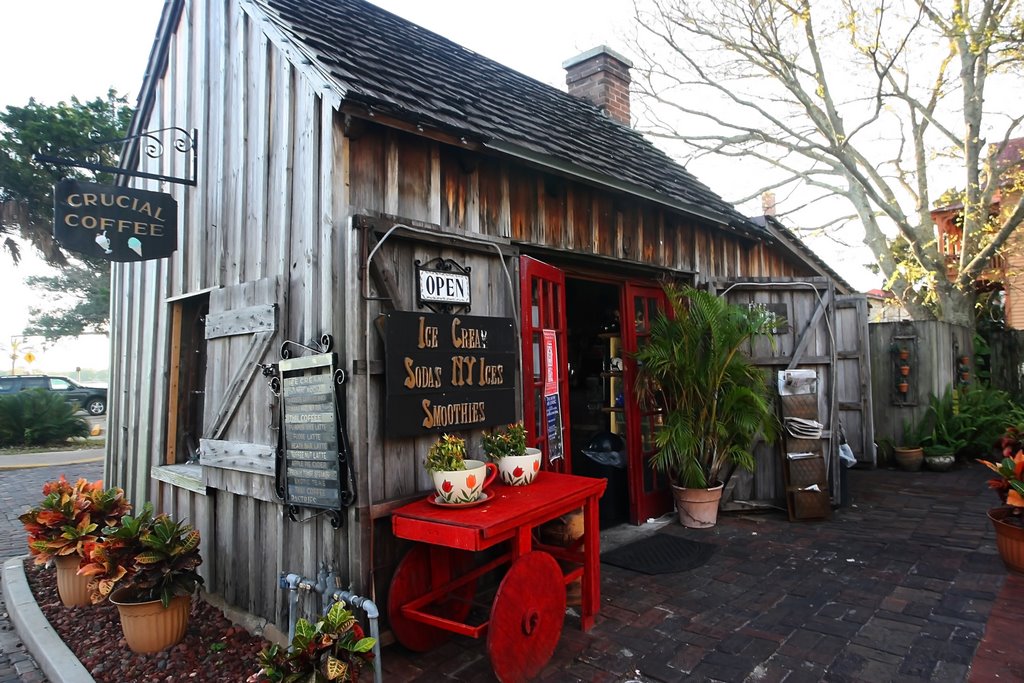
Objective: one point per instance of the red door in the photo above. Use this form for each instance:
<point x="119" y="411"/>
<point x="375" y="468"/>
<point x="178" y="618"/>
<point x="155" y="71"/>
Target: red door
<point x="649" y="493"/>
<point x="542" y="300"/>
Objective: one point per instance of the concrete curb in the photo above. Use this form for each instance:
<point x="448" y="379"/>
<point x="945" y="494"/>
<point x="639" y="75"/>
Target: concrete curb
<point x="28" y="466"/>
<point x="51" y="654"/>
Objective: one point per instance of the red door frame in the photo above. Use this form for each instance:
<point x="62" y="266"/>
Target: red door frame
<point x="543" y="286"/>
<point x="649" y="492"/>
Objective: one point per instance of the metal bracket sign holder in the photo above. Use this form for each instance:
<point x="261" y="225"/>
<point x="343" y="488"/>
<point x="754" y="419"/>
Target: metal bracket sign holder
<point x="313" y="467"/>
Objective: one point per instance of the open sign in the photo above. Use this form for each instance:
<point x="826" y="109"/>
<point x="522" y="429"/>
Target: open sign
<point x="446" y="284"/>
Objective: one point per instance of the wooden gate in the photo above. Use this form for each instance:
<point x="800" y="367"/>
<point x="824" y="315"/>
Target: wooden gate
<point x="853" y="377"/>
<point x="808" y="336"/>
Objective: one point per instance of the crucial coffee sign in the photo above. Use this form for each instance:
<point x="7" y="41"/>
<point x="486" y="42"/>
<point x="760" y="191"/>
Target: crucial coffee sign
<point x="448" y="372"/>
<point x="114" y="223"/>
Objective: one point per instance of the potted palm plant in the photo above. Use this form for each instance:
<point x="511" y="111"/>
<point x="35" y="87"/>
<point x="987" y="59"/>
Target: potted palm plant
<point x="713" y="399"/>
<point x="69" y="517"/>
<point x="457" y="481"/>
<point x="517" y="464"/>
<point x="151" y="561"/>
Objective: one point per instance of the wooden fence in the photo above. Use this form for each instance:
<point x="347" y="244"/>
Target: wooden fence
<point x="933" y="352"/>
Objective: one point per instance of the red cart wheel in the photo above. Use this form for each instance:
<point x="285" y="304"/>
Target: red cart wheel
<point x="412" y="580"/>
<point x="526" y="620"/>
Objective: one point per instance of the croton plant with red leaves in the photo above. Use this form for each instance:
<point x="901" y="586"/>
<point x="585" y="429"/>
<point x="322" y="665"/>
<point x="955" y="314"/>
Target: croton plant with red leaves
<point x="1009" y="485"/>
<point x="70" y="516"/>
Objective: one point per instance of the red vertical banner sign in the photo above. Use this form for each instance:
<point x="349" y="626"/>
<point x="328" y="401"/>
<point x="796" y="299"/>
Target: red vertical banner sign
<point x="552" y="407"/>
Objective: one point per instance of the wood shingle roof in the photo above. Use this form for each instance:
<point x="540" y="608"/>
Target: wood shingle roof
<point x="392" y="66"/>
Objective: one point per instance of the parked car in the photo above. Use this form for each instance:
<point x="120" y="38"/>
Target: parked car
<point x="91" y="399"/>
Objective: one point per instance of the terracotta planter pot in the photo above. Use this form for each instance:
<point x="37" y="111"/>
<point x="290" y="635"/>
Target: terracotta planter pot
<point x="697" y="508"/>
<point x="149" y="626"/>
<point x="520" y="470"/>
<point x="1009" y="539"/>
<point x="909" y="459"/>
<point x="904" y="355"/>
<point x="905" y="370"/>
<point x="903" y="387"/>
<point x="73" y="589"/>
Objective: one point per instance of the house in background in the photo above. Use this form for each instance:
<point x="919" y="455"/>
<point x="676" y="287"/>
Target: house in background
<point x="344" y="150"/>
<point x="1007" y="268"/>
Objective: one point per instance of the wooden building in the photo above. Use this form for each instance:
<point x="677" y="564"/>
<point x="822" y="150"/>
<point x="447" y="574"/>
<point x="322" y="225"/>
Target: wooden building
<point x="341" y="147"/>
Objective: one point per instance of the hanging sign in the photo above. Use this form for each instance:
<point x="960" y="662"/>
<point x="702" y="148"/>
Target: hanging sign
<point x="550" y="362"/>
<point x="443" y="285"/>
<point x="312" y="468"/>
<point x="114" y="223"/>
<point x="448" y="372"/>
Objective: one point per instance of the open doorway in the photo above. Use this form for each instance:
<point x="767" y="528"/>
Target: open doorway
<point x="597" y="392"/>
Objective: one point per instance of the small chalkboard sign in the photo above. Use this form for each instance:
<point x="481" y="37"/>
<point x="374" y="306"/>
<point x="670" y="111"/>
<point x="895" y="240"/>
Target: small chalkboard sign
<point x="309" y="408"/>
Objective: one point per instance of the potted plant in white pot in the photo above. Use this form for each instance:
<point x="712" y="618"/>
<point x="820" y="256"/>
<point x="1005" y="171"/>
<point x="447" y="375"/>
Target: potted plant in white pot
<point x="457" y="481"/>
<point x="151" y="561"/>
<point x="517" y="464"/>
<point x="713" y="399"/>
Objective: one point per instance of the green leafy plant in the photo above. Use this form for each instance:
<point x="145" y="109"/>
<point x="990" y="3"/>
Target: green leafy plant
<point x="34" y="417"/>
<point x="333" y="649"/>
<point x="714" y="400"/>
<point x="155" y="557"/>
<point x="970" y="421"/>
<point x="505" y="443"/>
<point x="70" y="516"/>
<point x="447" y="454"/>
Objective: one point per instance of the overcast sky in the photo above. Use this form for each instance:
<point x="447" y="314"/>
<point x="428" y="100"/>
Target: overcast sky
<point x="53" y="49"/>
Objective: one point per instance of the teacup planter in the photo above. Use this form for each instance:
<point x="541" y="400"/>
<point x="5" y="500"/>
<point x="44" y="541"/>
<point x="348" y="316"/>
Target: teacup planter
<point x="520" y="470"/>
<point x="457" y="481"/>
<point x="458" y="487"/>
<point x="517" y="464"/>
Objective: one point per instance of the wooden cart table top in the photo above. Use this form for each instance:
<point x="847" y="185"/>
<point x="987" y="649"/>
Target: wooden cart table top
<point x="509" y="509"/>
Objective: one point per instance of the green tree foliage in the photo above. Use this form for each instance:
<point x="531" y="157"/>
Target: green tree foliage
<point x="36" y="417"/>
<point x="26" y="185"/>
<point x="79" y="301"/>
<point x="78" y="295"/>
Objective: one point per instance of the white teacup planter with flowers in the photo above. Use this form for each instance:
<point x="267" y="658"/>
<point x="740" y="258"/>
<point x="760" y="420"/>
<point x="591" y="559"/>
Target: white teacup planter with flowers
<point x="517" y="464"/>
<point x="457" y="481"/>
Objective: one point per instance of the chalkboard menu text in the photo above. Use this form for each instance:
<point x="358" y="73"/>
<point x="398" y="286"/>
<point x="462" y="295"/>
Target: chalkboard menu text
<point x="310" y="432"/>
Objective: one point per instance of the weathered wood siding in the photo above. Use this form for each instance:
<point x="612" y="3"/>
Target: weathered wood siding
<point x="260" y="229"/>
<point x="284" y="174"/>
<point x="934" y="350"/>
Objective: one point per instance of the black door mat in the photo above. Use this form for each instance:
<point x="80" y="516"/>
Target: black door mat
<point x="660" y="554"/>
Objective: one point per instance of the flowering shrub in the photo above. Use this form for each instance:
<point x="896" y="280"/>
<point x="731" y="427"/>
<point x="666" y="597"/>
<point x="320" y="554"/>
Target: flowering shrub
<point x="70" y="517"/>
<point x="333" y="649"/>
<point x="1009" y="484"/>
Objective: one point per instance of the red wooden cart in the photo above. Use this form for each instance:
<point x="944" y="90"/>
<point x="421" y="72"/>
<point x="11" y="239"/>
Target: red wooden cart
<point x="433" y="587"/>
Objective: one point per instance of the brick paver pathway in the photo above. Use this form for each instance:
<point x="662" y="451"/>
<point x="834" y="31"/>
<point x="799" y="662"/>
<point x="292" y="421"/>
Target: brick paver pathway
<point x="896" y="587"/>
<point x="20" y="489"/>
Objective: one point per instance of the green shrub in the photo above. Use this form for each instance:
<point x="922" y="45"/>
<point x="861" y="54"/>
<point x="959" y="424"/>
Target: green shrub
<point x="972" y="423"/>
<point x="37" y="417"/>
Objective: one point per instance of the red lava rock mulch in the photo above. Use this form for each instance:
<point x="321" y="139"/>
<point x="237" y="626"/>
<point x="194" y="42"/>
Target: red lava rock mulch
<point x="213" y="648"/>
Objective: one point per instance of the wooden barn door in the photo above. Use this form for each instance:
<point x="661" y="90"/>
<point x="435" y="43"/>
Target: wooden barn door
<point x="542" y="303"/>
<point x="649" y="493"/>
<point x="853" y="376"/>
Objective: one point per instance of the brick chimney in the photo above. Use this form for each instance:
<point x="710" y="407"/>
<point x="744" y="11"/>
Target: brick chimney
<point x="601" y="75"/>
<point x="768" y="203"/>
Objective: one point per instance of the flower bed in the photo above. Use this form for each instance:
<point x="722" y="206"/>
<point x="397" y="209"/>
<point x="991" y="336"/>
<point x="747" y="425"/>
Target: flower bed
<point x="213" y="648"/>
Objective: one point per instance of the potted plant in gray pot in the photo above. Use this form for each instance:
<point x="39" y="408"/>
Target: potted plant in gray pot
<point x="714" y="400"/>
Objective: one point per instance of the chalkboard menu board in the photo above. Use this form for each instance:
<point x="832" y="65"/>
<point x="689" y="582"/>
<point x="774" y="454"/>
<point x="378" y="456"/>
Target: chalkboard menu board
<point x="448" y="372"/>
<point x="310" y="432"/>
